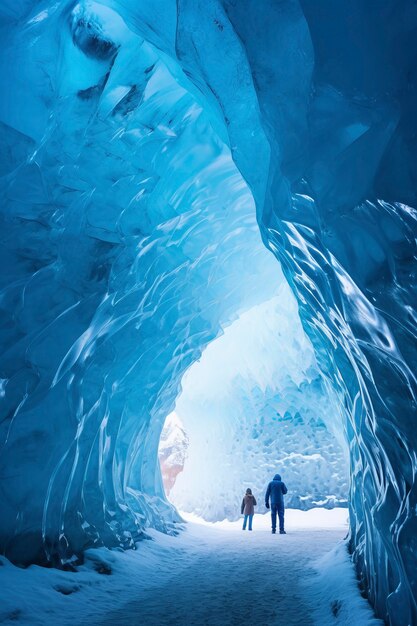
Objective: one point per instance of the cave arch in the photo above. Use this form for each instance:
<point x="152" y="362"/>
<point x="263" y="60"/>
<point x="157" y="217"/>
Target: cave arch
<point x="253" y="405"/>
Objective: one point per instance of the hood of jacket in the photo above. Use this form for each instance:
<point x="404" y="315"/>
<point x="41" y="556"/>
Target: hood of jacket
<point x="277" y="477"/>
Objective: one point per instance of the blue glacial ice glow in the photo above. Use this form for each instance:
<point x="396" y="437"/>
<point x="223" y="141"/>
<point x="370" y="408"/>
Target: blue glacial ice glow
<point x="127" y="226"/>
<point x="151" y="153"/>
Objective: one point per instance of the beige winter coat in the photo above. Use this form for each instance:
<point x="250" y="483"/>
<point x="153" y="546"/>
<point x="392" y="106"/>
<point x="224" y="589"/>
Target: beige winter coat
<point x="248" y="504"/>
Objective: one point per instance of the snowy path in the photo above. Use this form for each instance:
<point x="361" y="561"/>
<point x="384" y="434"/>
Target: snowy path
<point x="210" y="575"/>
<point x="246" y="578"/>
<point x="226" y="577"/>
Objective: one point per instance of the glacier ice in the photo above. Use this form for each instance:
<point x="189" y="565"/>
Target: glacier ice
<point x="137" y="139"/>
<point x="344" y="229"/>
<point x="125" y="225"/>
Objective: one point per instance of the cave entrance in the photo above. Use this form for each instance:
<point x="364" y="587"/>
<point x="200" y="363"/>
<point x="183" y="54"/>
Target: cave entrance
<point x="255" y="404"/>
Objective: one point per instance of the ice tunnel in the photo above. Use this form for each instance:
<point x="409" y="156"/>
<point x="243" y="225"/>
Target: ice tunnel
<point x="154" y="156"/>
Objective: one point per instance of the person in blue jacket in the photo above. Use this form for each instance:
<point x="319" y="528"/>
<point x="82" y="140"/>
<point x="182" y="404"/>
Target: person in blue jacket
<point x="275" y="492"/>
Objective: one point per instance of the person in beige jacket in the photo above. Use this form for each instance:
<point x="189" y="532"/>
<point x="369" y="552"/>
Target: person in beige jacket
<point x="248" y="508"/>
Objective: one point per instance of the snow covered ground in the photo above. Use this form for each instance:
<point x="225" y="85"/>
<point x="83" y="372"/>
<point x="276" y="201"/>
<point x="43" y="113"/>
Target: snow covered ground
<point x="210" y="574"/>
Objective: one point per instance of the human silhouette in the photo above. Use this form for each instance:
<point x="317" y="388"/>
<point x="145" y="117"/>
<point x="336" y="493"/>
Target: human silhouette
<point x="275" y="492"/>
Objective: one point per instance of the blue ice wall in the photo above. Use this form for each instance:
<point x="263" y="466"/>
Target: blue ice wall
<point x="128" y="239"/>
<point x="344" y="227"/>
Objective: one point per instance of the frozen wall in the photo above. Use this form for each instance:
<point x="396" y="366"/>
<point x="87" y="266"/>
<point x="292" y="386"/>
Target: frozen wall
<point x="129" y="238"/>
<point x="337" y="88"/>
<point x="135" y="137"/>
<point x="255" y="405"/>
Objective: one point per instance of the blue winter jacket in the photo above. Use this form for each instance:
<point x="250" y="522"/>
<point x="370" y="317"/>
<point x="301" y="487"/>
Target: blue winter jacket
<point x="276" y="491"/>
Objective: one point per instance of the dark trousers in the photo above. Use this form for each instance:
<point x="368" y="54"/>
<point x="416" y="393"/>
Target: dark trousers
<point x="277" y="508"/>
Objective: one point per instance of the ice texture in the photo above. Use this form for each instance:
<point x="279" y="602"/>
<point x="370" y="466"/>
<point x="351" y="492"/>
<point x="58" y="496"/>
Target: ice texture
<point x="125" y="224"/>
<point x="137" y="138"/>
<point x="337" y="91"/>
<point x="254" y="405"/>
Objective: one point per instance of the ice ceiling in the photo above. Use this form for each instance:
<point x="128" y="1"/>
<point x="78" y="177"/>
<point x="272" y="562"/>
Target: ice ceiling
<point x="137" y="140"/>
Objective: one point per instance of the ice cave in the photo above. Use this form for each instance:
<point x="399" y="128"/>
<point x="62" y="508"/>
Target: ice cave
<point x="208" y="266"/>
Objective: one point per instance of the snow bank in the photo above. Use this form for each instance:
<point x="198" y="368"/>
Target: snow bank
<point x="296" y="520"/>
<point x="37" y="596"/>
<point x="334" y="591"/>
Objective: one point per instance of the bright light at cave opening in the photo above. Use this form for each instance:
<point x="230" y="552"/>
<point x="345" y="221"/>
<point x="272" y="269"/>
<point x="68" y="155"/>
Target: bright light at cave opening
<point x="255" y="404"/>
